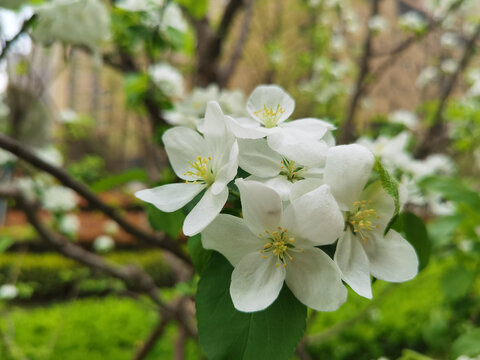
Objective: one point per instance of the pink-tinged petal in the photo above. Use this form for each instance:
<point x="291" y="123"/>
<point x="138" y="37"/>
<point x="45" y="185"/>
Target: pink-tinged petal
<point x="230" y="236"/>
<point x="183" y="145"/>
<point x="318" y="217"/>
<point x="170" y="197"/>
<point x="316" y="280"/>
<point x="391" y="258"/>
<point x="257" y="158"/>
<point x="204" y="212"/>
<point x="245" y="128"/>
<point x="347" y="170"/>
<point x="256" y="283"/>
<point x="272" y="97"/>
<point x="261" y="206"/>
<point x="353" y="262"/>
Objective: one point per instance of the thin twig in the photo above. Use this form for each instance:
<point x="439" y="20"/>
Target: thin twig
<point x="61" y="175"/>
<point x="347" y="130"/>
<point x="180" y="344"/>
<point x="157" y="332"/>
<point x="436" y="134"/>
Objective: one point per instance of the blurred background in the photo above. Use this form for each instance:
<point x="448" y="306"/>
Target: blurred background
<point x="89" y="87"/>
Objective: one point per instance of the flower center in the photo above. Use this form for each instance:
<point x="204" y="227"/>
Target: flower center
<point x="201" y="171"/>
<point x="291" y="170"/>
<point x="269" y="116"/>
<point x="361" y="219"/>
<point x="278" y="244"/>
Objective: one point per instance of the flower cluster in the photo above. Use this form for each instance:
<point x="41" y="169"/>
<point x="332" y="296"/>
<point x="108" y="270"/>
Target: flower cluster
<point x="302" y="192"/>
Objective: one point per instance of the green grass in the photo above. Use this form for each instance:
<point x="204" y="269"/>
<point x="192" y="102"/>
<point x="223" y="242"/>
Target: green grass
<point x="89" y="329"/>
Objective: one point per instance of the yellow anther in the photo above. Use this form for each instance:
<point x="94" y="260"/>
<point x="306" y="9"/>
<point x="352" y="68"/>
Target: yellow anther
<point x="264" y="257"/>
<point x="276" y="265"/>
<point x="269" y="116"/>
<point x="284" y="266"/>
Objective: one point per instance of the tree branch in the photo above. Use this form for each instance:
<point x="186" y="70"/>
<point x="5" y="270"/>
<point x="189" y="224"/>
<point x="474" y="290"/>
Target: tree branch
<point x="437" y="133"/>
<point x="228" y="16"/>
<point x="27" y="155"/>
<point x="347" y="130"/>
<point x="157" y="332"/>
<point x="26" y="24"/>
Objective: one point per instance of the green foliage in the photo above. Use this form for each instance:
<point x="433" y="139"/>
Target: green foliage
<point x="197" y="8"/>
<point x="226" y="333"/>
<point x="50" y="275"/>
<point x="113" y="181"/>
<point x="467" y="344"/>
<point x="5" y="243"/>
<point x="457" y="282"/>
<point x="389" y="183"/>
<point x="452" y="189"/>
<point x="170" y="223"/>
<point x="89" y="169"/>
<point x="199" y="255"/>
<point x="96" y="329"/>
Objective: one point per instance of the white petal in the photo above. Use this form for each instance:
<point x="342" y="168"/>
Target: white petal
<point x="230" y="236"/>
<point x="310" y="128"/>
<point x="302" y="187"/>
<point x="170" y="197"/>
<point x="245" y="128"/>
<point x="257" y="158"/>
<point x="279" y="183"/>
<point x="353" y="262"/>
<point x="183" y="145"/>
<point x="347" y="170"/>
<point x="214" y="123"/>
<point x="271" y="97"/>
<point x="391" y="258"/>
<point x="227" y="171"/>
<point x="294" y="146"/>
<point x="205" y="211"/>
<point x="316" y="280"/>
<point x="256" y="283"/>
<point x="381" y="202"/>
<point x="261" y="206"/>
<point x="318" y="217"/>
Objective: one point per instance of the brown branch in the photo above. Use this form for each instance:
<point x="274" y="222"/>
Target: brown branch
<point x="347" y="130"/>
<point x="435" y="137"/>
<point x="26" y="24"/>
<point x="61" y="175"/>
<point x="180" y="344"/>
<point x="148" y="345"/>
<point x="229" y="68"/>
<point x="227" y="18"/>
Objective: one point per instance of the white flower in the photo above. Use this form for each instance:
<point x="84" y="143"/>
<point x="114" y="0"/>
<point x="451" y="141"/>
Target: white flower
<point x="8" y="292"/>
<point x="405" y="117"/>
<point x="269" y="107"/>
<point x="449" y="40"/>
<point x="138" y="5"/>
<point x="68" y="116"/>
<point x="412" y="21"/>
<point x="270" y="246"/>
<point x="26" y="186"/>
<point x="103" y="243"/>
<point x="206" y="163"/>
<point x="80" y="22"/>
<point x="363" y="249"/>
<point x="449" y="66"/>
<point x="377" y="24"/>
<point x="173" y="18"/>
<point x="111" y="227"/>
<point x="232" y="102"/>
<point x="267" y="166"/>
<point x="59" y="199"/>
<point x="167" y="78"/>
<point x="69" y="224"/>
<point x="50" y="155"/>
<point x="426" y="76"/>
<point x="6" y="157"/>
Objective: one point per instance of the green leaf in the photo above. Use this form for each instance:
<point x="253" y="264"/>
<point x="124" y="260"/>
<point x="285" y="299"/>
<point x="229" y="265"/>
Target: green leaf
<point x="113" y="181"/>
<point x="452" y="189"/>
<point x="226" y="333"/>
<point x="5" y="243"/>
<point x="443" y="228"/>
<point x="467" y="344"/>
<point x="457" y="282"/>
<point x="170" y="223"/>
<point x="199" y="255"/>
<point x="197" y="8"/>
<point x="417" y="235"/>
<point x="389" y="183"/>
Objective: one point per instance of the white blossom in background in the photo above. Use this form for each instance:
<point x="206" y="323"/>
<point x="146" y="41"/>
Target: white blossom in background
<point x="167" y="78"/>
<point x="110" y="227"/>
<point x="103" y="243"/>
<point x="449" y="66"/>
<point x="404" y="117"/>
<point x="450" y="40"/>
<point x="138" y="5"/>
<point x="67" y="116"/>
<point x="412" y="21"/>
<point x="59" y="199"/>
<point x="269" y="106"/>
<point x="338" y="42"/>
<point x="27" y="187"/>
<point x="6" y="157"/>
<point x="206" y="163"/>
<point x="363" y="249"/>
<point x="271" y="245"/>
<point x="378" y="24"/>
<point x="78" y="22"/>
<point x="51" y="155"/>
<point x="8" y="292"/>
<point x="426" y="76"/>
<point x="69" y="224"/>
